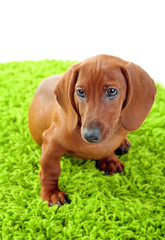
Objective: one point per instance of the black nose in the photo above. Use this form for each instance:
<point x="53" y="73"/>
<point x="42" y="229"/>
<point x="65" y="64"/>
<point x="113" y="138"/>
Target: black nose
<point x="92" y="134"/>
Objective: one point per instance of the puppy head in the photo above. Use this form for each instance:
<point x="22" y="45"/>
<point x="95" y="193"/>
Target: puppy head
<point x="102" y="93"/>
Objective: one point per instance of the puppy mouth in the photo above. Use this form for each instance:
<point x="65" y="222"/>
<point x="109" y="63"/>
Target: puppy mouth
<point x="107" y="133"/>
<point x="91" y="141"/>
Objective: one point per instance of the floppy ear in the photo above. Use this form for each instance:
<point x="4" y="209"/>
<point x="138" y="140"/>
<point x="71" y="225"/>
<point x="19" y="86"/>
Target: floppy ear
<point x="141" y="91"/>
<point x="64" y="91"/>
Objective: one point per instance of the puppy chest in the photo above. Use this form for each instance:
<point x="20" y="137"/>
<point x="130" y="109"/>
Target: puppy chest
<point x="89" y="151"/>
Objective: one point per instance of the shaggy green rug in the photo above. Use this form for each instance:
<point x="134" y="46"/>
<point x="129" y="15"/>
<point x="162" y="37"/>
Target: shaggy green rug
<point x="122" y="206"/>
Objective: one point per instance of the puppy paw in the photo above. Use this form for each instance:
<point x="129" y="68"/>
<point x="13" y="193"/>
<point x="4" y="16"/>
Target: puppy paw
<point x="124" y="148"/>
<point x="110" y="165"/>
<point x="53" y="197"/>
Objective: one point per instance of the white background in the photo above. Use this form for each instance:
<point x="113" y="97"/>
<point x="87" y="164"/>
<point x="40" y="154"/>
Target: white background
<point x="56" y="29"/>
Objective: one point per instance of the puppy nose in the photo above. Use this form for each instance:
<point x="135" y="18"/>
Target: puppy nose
<point x="92" y="134"/>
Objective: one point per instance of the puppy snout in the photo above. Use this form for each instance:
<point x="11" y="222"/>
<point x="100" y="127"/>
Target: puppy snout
<point x="92" y="134"/>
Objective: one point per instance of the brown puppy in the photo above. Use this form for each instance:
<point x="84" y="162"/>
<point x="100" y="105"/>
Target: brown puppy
<point x="87" y="112"/>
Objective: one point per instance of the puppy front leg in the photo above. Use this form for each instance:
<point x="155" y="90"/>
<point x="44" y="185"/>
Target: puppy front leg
<point x="110" y="164"/>
<point x="50" y="170"/>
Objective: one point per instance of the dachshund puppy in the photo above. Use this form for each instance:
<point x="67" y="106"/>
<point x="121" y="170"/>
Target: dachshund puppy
<point x="87" y="112"/>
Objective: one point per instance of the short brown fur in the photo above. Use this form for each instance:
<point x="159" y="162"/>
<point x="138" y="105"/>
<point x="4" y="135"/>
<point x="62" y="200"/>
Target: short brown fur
<point x="57" y="117"/>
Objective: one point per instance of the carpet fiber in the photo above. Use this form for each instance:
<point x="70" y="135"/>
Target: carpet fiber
<point x="129" y="205"/>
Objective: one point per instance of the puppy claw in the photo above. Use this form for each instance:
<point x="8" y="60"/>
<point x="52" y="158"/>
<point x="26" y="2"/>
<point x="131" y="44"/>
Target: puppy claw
<point x="59" y="204"/>
<point x="67" y="199"/>
<point x="106" y="172"/>
<point x="128" y="144"/>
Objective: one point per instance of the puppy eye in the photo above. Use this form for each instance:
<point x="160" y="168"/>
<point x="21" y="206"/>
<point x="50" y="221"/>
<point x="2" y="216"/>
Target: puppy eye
<point x="111" y="92"/>
<point x="80" y="93"/>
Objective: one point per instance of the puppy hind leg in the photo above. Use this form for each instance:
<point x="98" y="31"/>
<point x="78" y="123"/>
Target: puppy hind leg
<point x="124" y="147"/>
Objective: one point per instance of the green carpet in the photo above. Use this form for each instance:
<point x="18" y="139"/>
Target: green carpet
<point x="122" y="206"/>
